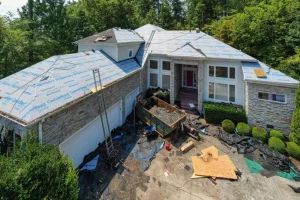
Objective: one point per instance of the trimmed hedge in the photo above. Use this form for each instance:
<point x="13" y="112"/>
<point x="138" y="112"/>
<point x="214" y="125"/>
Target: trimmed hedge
<point x="293" y="149"/>
<point x="296" y="120"/>
<point x="243" y="129"/>
<point x="228" y="126"/>
<point x="277" y="144"/>
<point x="294" y="137"/>
<point x="215" y="113"/>
<point x="278" y="134"/>
<point x="260" y="133"/>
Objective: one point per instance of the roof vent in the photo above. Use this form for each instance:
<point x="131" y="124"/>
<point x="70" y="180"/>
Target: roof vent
<point x="1" y="97"/>
<point x="197" y="30"/>
<point x="260" y="73"/>
<point x="93" y="51"/>
<point x="86" y="52"/>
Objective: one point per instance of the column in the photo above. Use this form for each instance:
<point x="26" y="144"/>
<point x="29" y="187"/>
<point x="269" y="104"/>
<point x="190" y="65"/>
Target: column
<point x="200" y="84"/>
<point x="172" y="83"/>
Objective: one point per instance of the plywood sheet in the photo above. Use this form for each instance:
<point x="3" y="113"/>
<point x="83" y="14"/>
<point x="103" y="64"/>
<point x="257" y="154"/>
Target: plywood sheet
<point x="260" y="73"/>
<point x="212" y="151"/>
<point x="194" y="176"/>
<point x="220" y="168"/>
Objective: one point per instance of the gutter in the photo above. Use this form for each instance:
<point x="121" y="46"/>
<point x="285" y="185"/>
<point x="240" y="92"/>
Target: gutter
<point x="292" y="85"/>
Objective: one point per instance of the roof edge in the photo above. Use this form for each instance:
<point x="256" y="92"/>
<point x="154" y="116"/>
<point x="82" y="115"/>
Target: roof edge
<point x="293" y="85"/>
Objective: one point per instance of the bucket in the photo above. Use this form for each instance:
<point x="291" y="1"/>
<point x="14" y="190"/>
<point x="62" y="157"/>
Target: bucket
<point x="168" y="146"/>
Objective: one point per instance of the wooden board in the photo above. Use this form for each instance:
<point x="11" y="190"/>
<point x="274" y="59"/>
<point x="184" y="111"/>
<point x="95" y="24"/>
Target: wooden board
<point x="194" y="176"/>
<point x="212" y="150"/>
<point x="260" y="73"/>
<point x="185" y="148"/>
<point x="220" y="168"/>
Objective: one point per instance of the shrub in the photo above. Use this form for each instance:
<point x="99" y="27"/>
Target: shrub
<point x="294" y="137"/>
<point x="277" y="144"/>
<point x="296" y="120"/>
<point x="228" y="126"/>
<point x="294" y="150"/>
<point x="215" y="113"/>
<point x="243" y="129"/>
<point x="278" y="134"/>
<point x="260" y="133"/>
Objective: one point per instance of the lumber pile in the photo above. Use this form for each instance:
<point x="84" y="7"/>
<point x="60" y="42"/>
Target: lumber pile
<point x="211" y="164"/>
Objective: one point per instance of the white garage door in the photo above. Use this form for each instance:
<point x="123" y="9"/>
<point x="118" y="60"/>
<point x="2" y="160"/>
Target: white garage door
<point x="129" y="101"/>
<point x="86" y="140"/>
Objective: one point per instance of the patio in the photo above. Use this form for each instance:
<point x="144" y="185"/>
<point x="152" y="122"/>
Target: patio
<point x="185" y="97"/>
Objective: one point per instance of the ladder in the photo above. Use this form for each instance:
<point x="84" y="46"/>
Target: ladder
<point x="111" y="153"/>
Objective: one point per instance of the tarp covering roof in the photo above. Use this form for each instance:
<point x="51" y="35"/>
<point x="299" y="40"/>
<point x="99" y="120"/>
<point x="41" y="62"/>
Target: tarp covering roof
<point x="54" y="82"/>
<point x="114" y="35"/>
<point x="272" y="75"/>
<point x="187" y="51"/>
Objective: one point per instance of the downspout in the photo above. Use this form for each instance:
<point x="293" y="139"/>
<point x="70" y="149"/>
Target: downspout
<point x="40" y="127"/>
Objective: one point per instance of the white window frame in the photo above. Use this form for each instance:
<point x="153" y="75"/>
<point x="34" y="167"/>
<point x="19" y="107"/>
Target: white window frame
<point x="228" y="72"/>
<point x="195" y="72"/>
<point x="163" y="72"/>
<point x="154" y="71"/>
<point x="285" y="97"/>
<point x="228" y="92"/>
<point x="129" y="53"/>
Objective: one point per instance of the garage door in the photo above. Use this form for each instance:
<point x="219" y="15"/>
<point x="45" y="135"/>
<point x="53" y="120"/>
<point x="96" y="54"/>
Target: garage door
<point x="86" y="140"/>
<point x="129" y="101"/>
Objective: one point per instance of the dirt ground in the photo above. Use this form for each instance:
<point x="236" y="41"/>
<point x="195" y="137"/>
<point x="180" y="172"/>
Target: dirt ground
<point x="165" y="115"/>
<point x="169" y="175"/>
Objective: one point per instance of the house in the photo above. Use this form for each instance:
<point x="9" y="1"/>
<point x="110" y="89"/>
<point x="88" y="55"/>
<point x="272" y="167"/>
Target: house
<point x="54" y="96"/>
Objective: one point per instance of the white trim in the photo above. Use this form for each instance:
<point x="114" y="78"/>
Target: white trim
<point x="194" y="69"/>
<point x="271" y="101"/>
<point x="228" y="92"/>
<point x="153" y="71"/>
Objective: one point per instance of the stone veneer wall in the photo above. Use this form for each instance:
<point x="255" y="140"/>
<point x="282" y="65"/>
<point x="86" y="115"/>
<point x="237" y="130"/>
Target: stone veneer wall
<point x="200" y="85"/>
<point x="144" y="78"/>
<point x="261" y="112"/>
<point x="175" y="81"/>
<point x="62" y="125"/>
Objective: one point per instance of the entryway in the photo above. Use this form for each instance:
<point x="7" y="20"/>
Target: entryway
<point x="189" y="76"/>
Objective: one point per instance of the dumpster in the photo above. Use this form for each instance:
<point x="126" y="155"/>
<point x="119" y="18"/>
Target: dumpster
<point x="165" y="117"/>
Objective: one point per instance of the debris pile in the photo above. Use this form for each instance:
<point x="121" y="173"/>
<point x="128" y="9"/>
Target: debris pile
<point x="211" y="164"/>
<point x="165" y="115"/>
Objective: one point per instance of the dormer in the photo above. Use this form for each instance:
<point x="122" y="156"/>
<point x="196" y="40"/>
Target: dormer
<point x="119" y="44"/>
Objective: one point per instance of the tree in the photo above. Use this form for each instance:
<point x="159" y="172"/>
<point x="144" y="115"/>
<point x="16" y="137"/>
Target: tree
<point x="165" y="17"/>
<point x="37" y="172"/>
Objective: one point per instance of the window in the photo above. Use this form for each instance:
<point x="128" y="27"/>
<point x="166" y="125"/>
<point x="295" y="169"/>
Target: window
<point x="153" y="80"/>
<point x="222" y="72"/>
<point x="271" y="97"/>
<point x="211" y="90"/>
<point x="232" y="73"/>
<point x="166" y="65"/>
<point x="222" y="92"/>
<point x="130" y="53"/>
<point x="211" y="71"/>
<point x="166" y="81"/>
<point x="153" y="64"/>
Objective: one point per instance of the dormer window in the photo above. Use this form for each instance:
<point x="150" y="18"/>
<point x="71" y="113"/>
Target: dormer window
<point x="130" y="53"/>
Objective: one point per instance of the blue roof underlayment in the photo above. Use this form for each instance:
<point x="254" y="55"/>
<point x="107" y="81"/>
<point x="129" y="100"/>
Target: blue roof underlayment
<point x="273" y="76"/>
<point x="54" y="82"/>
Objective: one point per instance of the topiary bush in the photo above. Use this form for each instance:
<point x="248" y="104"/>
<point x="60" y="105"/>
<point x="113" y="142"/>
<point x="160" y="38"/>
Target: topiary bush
<point x="228" y="126"/>
<point x="277" y="144"/>
<point x="260" y="133"/>
<point x="278" y="134"/>
<point x="243" y="129"/>
<point x="215" y="113"/>
<point x="293" y="149"/>
<point x="294" y="137"/>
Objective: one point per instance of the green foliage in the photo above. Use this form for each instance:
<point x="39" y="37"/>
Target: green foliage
<point x="278" y="134"/>
<point x="37" y="172"/>
<point x="294" y="150"/>
<point x="260" y="133"/>
<point x="277" y="144"/>
<point x="243" y="129"/>
<point x="294" y="137"/>
<point x="296" y="120"/>
<point x="228" y="126"/>
<point x="298" y="96"/>
<point x="217" y="112"/>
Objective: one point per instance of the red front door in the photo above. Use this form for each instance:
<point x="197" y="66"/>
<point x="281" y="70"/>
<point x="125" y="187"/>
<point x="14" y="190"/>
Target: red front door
<point x="189" y="78"/>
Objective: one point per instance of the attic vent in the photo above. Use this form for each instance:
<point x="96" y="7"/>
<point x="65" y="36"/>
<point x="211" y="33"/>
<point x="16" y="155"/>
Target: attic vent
<point x="86" y="52"/>
<point x="1" y="97"/>
<point x="45" y="78"/>
<point x="93" y="51"/>
<point x="260" y="73"/>
<point x="103" y="38"/>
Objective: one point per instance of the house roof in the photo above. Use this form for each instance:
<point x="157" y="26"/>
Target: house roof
<point x="189" y="51"/>
<point x="48" y="85"/>
<point x="272" y="76"/>
<point x="113" y="35"/>
<point x="146" y="30"/>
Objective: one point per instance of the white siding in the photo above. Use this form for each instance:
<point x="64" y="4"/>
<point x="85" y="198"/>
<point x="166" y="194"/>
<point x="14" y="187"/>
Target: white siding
<point x="123" y="51"/>
<point x="238" y="81"/>
<point x="109" y="49"/>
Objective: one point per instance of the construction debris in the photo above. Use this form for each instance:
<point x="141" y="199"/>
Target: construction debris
<point x="210" y="164"/>
<point x="185" y="148"/>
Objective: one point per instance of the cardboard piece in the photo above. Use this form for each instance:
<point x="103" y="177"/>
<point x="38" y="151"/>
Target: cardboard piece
<point x="260" y="73"/>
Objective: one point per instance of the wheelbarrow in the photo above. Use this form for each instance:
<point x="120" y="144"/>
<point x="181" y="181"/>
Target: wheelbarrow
<point x="150" y="132"/>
